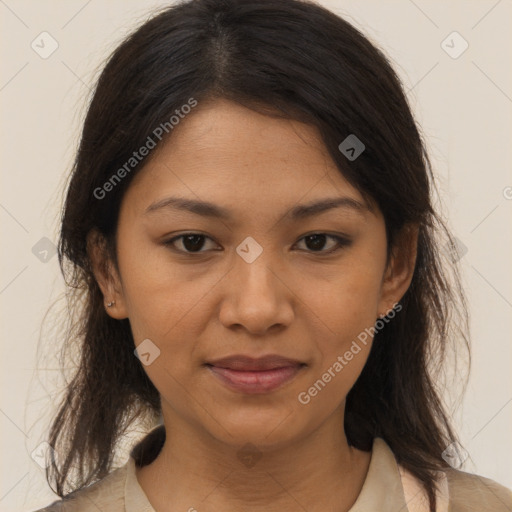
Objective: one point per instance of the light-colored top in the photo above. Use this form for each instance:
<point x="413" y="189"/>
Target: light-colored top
<point x="387" y="488"/>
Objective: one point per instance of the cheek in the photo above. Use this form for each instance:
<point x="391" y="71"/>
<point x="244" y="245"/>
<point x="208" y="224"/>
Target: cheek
<point x="348" y="305"/>
<point x="343" y="349"/>
<point x="347" y="298"/>
<point x="159" y="296"/>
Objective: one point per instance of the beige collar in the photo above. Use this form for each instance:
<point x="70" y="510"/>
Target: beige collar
<point x="387" y="487"/>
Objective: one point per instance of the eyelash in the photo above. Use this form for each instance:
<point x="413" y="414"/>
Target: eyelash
<point x="341" y="243"/>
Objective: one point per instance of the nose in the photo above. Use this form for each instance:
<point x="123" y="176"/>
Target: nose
<point x="256" y="298"/>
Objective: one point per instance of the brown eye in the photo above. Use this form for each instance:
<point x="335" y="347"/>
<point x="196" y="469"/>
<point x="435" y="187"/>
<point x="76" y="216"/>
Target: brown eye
<point x="316" y="242"/>
<point x="189" y="242"/>
<point x="194" y="243"/>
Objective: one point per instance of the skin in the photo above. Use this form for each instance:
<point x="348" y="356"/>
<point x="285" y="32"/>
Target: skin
<point x="293" y="300"/>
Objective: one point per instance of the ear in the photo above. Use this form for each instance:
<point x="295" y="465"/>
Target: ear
<point x="106" y="275"/>
<point x="400" y="269"/>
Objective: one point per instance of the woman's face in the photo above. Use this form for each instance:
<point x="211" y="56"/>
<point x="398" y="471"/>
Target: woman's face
<point x="253" y="281"/>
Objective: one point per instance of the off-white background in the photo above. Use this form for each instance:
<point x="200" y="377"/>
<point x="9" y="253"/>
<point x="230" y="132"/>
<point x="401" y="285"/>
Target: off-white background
<point x="463" y="105"/>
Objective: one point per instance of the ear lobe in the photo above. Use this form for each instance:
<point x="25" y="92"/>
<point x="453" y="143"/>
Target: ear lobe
<point x="400" y="268"/>
<point x="105" y="274"/>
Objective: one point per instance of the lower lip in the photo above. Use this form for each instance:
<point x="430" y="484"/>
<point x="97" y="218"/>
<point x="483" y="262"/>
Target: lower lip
<point x="255" y="382"/>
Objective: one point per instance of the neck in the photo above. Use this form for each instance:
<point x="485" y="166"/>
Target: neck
<point x="195" y="471"/>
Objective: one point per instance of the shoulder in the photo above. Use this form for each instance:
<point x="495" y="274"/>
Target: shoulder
<point x="105" y="494"/>
<point x="469" y="492"/>
<point x="109" y="493"/>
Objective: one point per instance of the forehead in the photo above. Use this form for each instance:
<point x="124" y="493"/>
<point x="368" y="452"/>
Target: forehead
<point x="236" y="156"/>
<point x="229" y="123"/>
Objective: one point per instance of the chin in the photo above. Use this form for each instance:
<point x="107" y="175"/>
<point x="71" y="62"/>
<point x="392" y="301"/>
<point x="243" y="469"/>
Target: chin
<point x="265" y="429"/>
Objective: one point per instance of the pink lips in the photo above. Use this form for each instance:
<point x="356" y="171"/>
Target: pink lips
<point x="252" y="376"/>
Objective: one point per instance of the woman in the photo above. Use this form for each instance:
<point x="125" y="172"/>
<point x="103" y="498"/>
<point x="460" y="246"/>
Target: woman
<point x="249" y="224"/>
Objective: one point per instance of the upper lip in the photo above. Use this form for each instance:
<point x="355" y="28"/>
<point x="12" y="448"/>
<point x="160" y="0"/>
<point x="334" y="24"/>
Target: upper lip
<point x="248" y="363"/>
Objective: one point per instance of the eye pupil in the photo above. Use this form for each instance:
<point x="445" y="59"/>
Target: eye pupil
<point x="196" y="242"/>
<point x="318" y="241"/>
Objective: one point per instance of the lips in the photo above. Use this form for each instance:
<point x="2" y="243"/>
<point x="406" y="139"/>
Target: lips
<point x="251" y="364"/>
<point x="254" y="375"/>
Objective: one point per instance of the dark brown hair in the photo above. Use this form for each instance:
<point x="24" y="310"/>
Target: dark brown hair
<point x="304" y="62"/>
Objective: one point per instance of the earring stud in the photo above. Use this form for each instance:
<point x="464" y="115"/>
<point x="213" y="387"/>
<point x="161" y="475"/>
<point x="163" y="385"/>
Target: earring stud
<point x="110" y="304"/>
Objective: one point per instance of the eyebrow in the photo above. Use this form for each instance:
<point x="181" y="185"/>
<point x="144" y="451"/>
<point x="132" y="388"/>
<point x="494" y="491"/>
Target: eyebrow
<point x="207" y="209"/>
